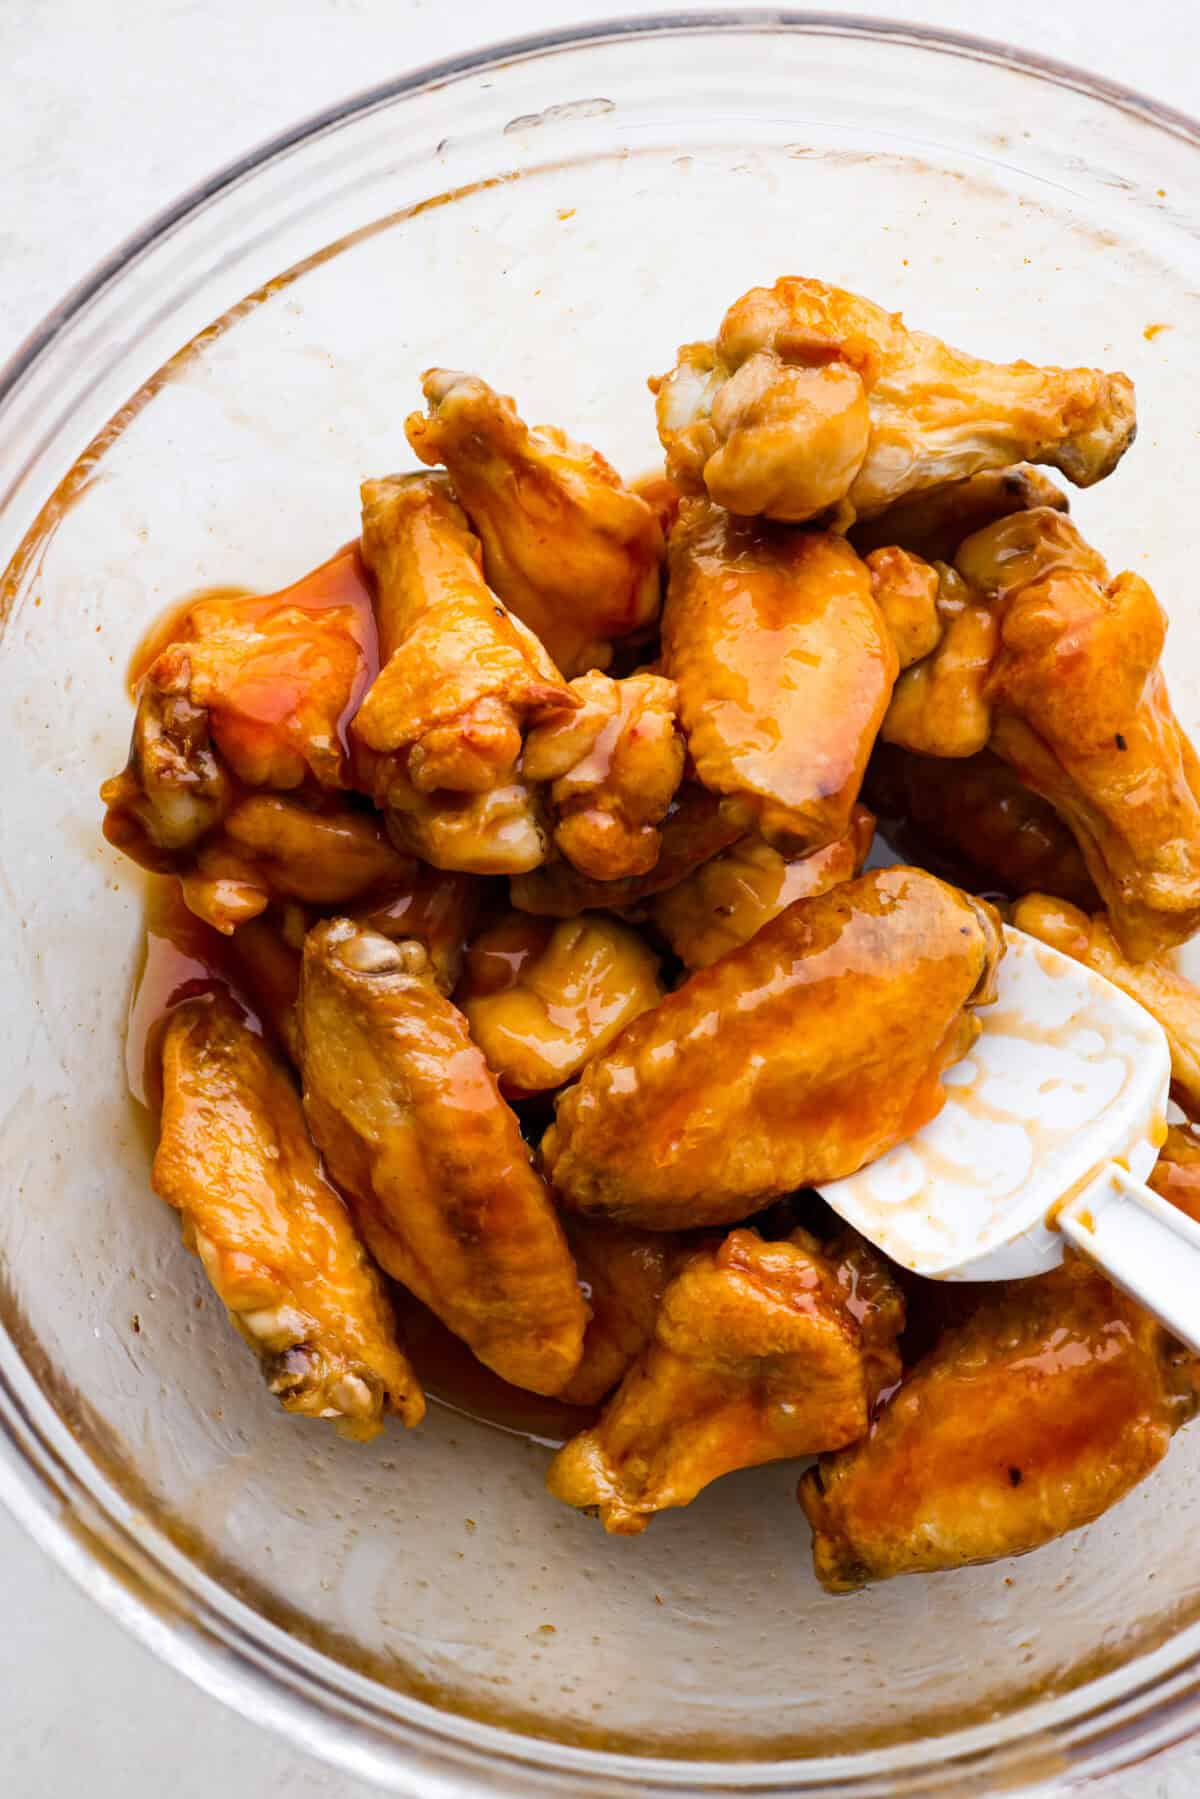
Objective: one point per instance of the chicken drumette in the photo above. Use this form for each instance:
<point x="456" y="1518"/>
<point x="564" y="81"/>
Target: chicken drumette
<point x="413" y="1129"/>
<point x="795" y="1059"/>
<point x="624" y="1274"/>
<point x="567" y="546"/>
<point x="235" y="1159"/>
<point x="813" y="398"/>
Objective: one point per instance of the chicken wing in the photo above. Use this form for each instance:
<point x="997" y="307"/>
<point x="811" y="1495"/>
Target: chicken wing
<point x="1080" y="710"/>
<point x="255" y="686"/>
<point x="795" y="1059"/>
<point x="623" y="1274"/>
<point x="612" y="770"/>
<point x="236" y="1161"/>
<point x="696" y="828"/>
<point x="906" y="590"/>
<point x="940" y="705"/>
<point x="436" y="909"/>
<point x="728" y="899"/>
<point x="542" y="998"/>
<point x="1156" y="984"/>
<point x="932" y="524"/>
<point x="1053" y="1399"/>
<point x="784" y="667"/>
<point x="813" y="398"/>
<point x="755" y="1358"/>
<point x="979" y="811"/>
<point x="1176" y="1174"/>
<point x="460" y="682"/>
<point x="567" y="546"/>
<point x="412" y="1127"/>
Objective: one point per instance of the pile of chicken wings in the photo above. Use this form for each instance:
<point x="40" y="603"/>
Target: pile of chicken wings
<point x="538" y="818"/>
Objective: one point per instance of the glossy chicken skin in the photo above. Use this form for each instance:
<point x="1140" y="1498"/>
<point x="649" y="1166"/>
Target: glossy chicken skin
<point x="236" y="1161"/>
<point x="624" y="1274"/>
<point x="728" y="899"/>
<point x="979" y="811"/>
<point x="906" y="591"/>
<point x="568" y="547"/>
<point x="941" y="705"/>
<point x="933" y="523"/>
<point x="461" y="680"/>
<point x="813" y="398"/>
<point x="1031" y="1418"/>
<point x="1156" y="984"/>
<point x="784" y="668"/>
<point x="696" y="828"/>
<point x="1080" y="710"/>
<point x="253" y="687"/>
<point x="542" y="998"/>
<point x="793" y="1060"/>
<point x="755" y="1357"/>
<point x="1176" y="1174"/>
<point x="612" y="769"/>
<point x="433" y="907"/>
<point x="413" y="1129"/>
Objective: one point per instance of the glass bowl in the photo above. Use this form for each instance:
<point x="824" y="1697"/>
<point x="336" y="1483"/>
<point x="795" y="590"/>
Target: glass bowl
<point x="559" y="215"/>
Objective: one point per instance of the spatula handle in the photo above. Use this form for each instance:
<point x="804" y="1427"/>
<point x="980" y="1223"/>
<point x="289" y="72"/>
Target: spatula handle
<point x="1147" y="1247"/>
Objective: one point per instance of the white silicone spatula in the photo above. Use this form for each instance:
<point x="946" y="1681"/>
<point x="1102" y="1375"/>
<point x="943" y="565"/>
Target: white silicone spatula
<point x="1050" y="1125"/>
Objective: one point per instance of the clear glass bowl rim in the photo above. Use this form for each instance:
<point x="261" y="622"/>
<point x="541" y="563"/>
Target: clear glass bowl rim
<point x="187" y="1621"/>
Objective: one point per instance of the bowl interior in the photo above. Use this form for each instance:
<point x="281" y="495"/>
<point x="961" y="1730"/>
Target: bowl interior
<point x="596" y="207"/>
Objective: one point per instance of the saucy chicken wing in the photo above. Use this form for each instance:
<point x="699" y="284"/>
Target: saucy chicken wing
<point x="1176" y="1174"/>
<point x="623" y="1274"/>
<point x="434" y="908"/>
<point x="1054" y="1398"/>
<point x="813" y="398"/>
<point x="542" y="998"/>
<point x="755" y="1357"/>
<point x="1156" y="984"/>
<point x="461" y="680"/>
<point x="906" y="590"/>
<point x="979" y="812"/>
<point x="728" y="899"/>
<point x="1080" y="710"/>
<point x="236" y="1161"/>
<point x="795" y="1059"/>
<point x="413" y="1129"/>
<point x="941" y="705"/>
<point x="611" y="770"/>
<point x="932" y="524"/>
<point x="567" y="546"/>
<point x="784" y="668"/>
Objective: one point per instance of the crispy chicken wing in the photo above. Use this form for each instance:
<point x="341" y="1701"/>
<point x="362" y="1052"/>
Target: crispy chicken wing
<point x="1053" y="1399"/>
<point x="811" y="398"/>
<point x="755" y="1357"/>
<point x="940" y="706"/>
<point x="696" y="828"/>
<point x="979" y="811"/>
<point x="236" y="1160"/>
<point x="567" y="546"/>
<point x="413" y="1129"/>
<point x="932" y="524"/>
<point x="1156" y="984"/>
<point x="1080" y="710"/>
<point x="437" y="909"/>
<point x="728" y="899"/>
<point x="255" y="686"/>
<point x="1176" y="1174"/>
<point x="624" y="1274"/>
<point x="612" y="770"/>
<point x="784" y="667"/>
<point x="906" y="590"/>
<point x="795" y="1059"/>
<point x="542" y="998"/>
<point x="461" y="680"/>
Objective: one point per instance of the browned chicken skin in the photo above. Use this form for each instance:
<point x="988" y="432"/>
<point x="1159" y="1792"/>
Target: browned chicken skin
<point x="1176" y="1174"/>
<point x="933" y="523"/>
<point x="784" y="668"/>
<point x="979" y="811"/>
<point x="624" y="1274"/>
<point x="1031" y="1418"/>
<point x="413" y="1129"/>
<point x="755" y="1357"/>
<point x="1080" y="710"/>
<point x="795" y="1059"/>
<point x="941" y="705"/>
<point x="1156" y="984"/>
<point x="728" y="899"/>
<point x="906" y="590"/>
<point x="440" y="733"/>
<point x="542" y="998"/>
<point x="437" y="908"/>
<point x="813" y="398"/>
<point x="568" y="547"/>
<point x="235" y="1159"/>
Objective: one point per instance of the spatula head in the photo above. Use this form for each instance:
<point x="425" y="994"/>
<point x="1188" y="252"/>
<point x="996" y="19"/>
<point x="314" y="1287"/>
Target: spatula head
<point x="1068" y="1073"/>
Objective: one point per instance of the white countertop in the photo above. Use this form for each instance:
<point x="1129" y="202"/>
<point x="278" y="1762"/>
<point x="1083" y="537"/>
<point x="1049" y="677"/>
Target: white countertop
<point x="111" y="111"/>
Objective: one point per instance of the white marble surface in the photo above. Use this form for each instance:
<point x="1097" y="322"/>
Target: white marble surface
<point x="110" y="112"/>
